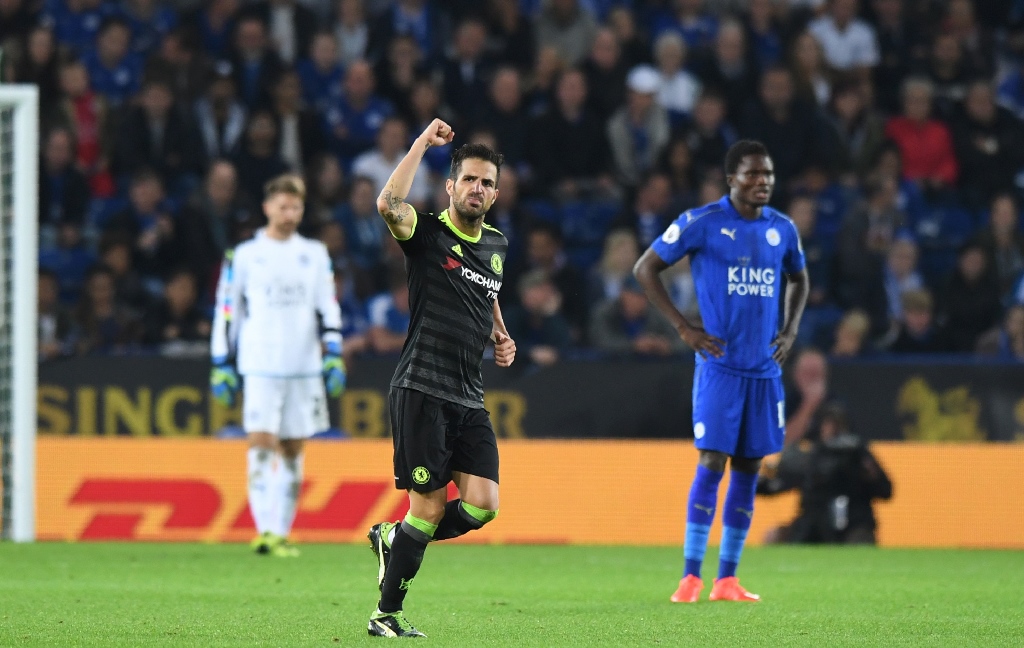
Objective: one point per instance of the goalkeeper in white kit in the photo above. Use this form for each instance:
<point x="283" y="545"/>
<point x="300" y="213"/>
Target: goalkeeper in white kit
<point x="278" y="321"/>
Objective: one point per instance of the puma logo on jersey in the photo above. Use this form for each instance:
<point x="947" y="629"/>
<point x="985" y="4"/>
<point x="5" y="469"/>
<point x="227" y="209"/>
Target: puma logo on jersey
<point x="730" y="233"/>
<point x="450" y="264"/>
<point x="457" y="249"/>
<point x="710" y="510"/>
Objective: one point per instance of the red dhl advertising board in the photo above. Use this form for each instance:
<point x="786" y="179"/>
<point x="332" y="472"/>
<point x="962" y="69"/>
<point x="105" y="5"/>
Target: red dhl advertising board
<point x="593" y="492"/>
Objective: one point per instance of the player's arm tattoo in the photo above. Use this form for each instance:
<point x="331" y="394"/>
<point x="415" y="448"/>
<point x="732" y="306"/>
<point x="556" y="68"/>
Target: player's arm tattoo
<point x="397" y="210"/>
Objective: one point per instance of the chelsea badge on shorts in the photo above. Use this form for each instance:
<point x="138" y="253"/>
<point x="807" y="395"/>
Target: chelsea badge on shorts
<point x="420" y="475"/>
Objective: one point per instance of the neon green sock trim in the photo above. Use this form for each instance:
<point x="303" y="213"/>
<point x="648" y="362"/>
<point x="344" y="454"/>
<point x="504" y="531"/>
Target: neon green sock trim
<point x="422" y="525"/>
<point x="483" y="516"/>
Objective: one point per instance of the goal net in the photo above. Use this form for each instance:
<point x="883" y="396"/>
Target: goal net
<point x="19" y="155"/>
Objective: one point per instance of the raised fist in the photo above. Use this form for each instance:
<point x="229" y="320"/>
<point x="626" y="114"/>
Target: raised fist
<point x="438" y="133"/>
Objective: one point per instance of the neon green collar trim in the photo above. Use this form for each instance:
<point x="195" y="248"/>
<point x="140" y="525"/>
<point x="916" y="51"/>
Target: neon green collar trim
<point x="444" y="218"/>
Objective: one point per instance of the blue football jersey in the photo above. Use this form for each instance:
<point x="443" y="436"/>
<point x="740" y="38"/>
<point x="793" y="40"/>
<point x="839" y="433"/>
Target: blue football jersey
<point x="737" y="267"/>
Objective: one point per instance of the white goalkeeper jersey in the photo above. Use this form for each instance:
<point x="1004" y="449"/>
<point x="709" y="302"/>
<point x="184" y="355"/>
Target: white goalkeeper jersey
<point x="275" y="304"/>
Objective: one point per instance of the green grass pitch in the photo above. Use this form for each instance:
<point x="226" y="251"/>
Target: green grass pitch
<point x="470" y="595"/>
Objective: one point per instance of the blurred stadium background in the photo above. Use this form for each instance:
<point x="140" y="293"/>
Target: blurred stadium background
<point x="895" y="126"/>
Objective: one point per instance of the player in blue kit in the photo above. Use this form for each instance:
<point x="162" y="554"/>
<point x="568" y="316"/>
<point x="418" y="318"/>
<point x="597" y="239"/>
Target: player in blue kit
<point x="739" y="249"/>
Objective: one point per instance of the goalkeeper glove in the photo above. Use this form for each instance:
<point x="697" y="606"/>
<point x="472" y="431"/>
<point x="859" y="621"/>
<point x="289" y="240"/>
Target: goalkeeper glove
<point x="334" y="370"/>
<point x="224" y="382"/>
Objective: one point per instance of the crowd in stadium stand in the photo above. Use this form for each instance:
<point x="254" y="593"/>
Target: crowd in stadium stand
<point x="895" y="127"/>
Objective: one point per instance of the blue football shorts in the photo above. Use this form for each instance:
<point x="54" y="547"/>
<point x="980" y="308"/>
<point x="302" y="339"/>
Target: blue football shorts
<point x="739" y="416"/>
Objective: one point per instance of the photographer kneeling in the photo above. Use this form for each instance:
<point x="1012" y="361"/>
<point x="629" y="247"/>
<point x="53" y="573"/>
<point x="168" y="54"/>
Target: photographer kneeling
<point x="838" y="477"/>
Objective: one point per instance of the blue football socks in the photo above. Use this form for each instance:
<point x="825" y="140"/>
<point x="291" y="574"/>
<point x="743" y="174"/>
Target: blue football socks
<point x="699" y="514"/>
<point x="736" y="517"/>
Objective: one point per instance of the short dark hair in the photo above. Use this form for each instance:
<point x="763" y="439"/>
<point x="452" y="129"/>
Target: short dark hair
<point x="740" y="150"/>
<point x="475" y="152"/>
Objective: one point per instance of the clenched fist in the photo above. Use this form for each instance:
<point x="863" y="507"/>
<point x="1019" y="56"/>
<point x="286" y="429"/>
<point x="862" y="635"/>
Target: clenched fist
<point x="438" y="133"/>
<point x="504" y="349"/>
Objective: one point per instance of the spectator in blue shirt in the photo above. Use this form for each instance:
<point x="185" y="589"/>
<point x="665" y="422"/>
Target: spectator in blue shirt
<point x="1011" y="92"/>
<point x="321" y="73"/>
<point x="150" y="223"/>
<point x="688" y="18"/>
<point x="765" y="33"/>
<point x="356" y="116"/>
<point x="389" y="316"/>
<point x="255" y="64"/>
<point x="354" y="324"/>
<point x="76" y="22"/>
<point x="114" y="70"/>
<point x="416" y="18"/>
<point x="150" y="21"/>
<point x="69" y="260"/>
<point x="364" y="229"/>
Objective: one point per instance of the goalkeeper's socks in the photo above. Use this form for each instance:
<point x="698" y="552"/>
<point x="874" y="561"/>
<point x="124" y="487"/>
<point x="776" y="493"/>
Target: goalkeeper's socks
<point x="736" y="518"/>
<point x="261" y="488"/>
<point x="407" y="550"/>
<point x="700" y="512"/>
<point x="289" y="487"/>
<point x="459" y="519"/>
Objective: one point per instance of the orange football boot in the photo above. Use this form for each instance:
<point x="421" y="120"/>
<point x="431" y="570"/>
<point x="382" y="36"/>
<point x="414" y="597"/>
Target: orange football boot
<point x="729" y="589"/>
<point x="689" y="590"/>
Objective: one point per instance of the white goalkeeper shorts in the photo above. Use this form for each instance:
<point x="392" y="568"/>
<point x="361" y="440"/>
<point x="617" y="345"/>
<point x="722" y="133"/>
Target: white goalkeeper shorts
<point x="291" y="408"/>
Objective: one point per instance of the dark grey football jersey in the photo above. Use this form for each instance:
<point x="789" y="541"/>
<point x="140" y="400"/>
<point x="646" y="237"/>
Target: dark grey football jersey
<point x="453" y="283"/>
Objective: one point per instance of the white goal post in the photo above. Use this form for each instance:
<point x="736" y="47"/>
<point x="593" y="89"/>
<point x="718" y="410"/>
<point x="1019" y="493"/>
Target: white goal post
<point x="19" y="159"/>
